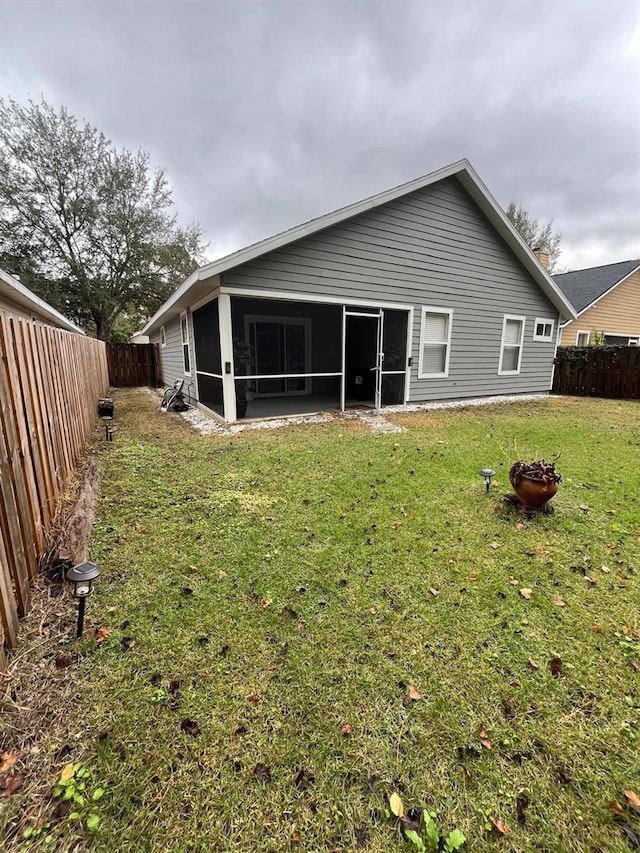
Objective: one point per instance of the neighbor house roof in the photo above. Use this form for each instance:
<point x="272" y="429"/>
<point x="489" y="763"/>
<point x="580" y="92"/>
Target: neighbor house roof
<point x="583" y="287"/>
<point x="15" y="292"/>
<point x="197" y="286"/>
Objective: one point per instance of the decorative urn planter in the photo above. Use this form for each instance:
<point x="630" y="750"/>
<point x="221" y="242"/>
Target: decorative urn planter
<point x="534" y="483"/>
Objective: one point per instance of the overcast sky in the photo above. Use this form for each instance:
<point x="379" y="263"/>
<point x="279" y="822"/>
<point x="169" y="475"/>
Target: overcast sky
<point x="266" y="113"/>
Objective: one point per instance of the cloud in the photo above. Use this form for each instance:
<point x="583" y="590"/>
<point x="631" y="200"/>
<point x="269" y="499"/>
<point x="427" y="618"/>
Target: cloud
<point x="269" y="112"/>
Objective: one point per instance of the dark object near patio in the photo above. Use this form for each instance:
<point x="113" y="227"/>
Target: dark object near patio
<point x="534" y="483"/>
<point x="173" y="399"/>
<point x="105" y="407"/>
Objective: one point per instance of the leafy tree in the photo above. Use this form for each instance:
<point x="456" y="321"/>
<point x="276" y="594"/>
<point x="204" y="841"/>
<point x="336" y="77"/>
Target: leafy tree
<point x="534" y="234"/>
<point x="89" y="227"/>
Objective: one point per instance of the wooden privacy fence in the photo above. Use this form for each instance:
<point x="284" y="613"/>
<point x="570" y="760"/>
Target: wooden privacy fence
<point x="598" y="372"/>
<point x="133" y="365"/>
<point x="50" y="382"/>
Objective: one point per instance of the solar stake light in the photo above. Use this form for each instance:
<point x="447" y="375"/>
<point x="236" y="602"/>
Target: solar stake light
<point x="488" y="474"/>
<point x="82" y="577"/>
<point x="106" y="420"/>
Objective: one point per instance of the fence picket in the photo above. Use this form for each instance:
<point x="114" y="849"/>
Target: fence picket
<point x="50" y="381"/>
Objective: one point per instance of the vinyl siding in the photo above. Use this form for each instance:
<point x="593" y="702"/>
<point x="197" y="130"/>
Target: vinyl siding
<point x="171" y="355"/>
<point x="618" y="312"/>
<point x="433" y="247"/>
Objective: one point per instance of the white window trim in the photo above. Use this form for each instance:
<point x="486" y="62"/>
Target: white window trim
<point x="184" y="315"/>
<point x="583" y="332"/>
<point x="428" y="309"/>
<point x="163" y="336"/>
<point x="505" y="319"/>
<point x="545" y="321"/>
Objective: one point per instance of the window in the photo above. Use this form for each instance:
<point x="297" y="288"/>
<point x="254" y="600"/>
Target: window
<point x="582" y="339"/>
<point x="163" y="337"/>
<point x="435" y="343"/>
<point x="543" y="330"/>
<point x="511" y="346"/>
<point x="186" y="356"/>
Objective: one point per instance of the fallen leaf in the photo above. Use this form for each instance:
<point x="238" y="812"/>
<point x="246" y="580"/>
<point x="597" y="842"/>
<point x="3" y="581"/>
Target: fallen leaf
<point x="193" y="568"/>
<point x="589" y="580"/>
<point x="346" y="730"/>
<point x="102" y="634"/>
<point x="413" y="693"/>
<point x="262" y="772"/>
<point x="396" y="805"/>
<point x="519" y="525"/>
<point x="189" y="727"/>
<point x="584" y="508"/>
<point x="67" y="773"/>
<point x="63" y="661"/>
<point x="473" y="576"/>
<point x="8" y="760"/>
<point x="525" y="592"/>
<point x="266" y="602"/>
<point x="616" y="808"/>
<point x="625" y="630"/>
<point x="555" y="665"/>
<point x="634" y="799"/>
<point x="11" y="785"/>
<point x="396" y="525"/>
<point x="434" y="591"/>
<point x="502" y="828"/>
<point x="222" y="574"/>
<point x="532" y="663"/>
<point x="605" y="569"/>
<point x="597" y="629"/>
<point x="514" y="582"/>
<point x="558" y="601"/>
<point x="485" y="740"/>
<point x="296" y="838"/>
<point x="495" y="545"/>
<point x="522" y="803"/>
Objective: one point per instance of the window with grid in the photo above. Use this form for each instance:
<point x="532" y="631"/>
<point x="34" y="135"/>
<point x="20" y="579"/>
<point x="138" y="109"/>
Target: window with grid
<point x="511" y="349"/>
<point x="543" y="329"/>
<point x="435" y="343"/>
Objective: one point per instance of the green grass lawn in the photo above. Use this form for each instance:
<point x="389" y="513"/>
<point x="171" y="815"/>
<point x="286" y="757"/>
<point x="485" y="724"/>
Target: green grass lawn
<point x="275" y="596"/>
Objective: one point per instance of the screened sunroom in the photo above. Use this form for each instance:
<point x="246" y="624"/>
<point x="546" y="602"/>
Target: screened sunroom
<point x="261" y="357"/>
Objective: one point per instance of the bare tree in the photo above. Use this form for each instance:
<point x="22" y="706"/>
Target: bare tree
<point x="534" y="234"/>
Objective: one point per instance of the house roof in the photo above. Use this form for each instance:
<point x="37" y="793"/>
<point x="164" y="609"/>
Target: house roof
<point x="14" y="291"/>
<point x="583" y="287"/>
<point x="197" y="285"/>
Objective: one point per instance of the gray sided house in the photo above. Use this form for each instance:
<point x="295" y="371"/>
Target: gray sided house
<point x="421" y="293"/>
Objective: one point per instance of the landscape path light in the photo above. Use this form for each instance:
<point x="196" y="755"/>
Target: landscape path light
<point x="82" y="578"/>
<point x="488" y="474"/>
<point x="106" y="420"/>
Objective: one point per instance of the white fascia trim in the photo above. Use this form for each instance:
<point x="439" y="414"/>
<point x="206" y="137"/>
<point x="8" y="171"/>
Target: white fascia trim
<point x="28" y="299"/>
<point x="544" y="321"/>
<point x="607" y="292"/>
<point x="164" y="309"/>
<point x="523" y="321"/>
<point x="427" y="309"/>
<point x="290" y="296"/>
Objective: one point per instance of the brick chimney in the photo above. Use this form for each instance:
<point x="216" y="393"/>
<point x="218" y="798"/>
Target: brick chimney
<point x="542" y="256"/>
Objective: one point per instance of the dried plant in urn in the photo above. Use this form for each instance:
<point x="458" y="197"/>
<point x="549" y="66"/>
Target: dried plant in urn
<point x="534" y="483"/>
